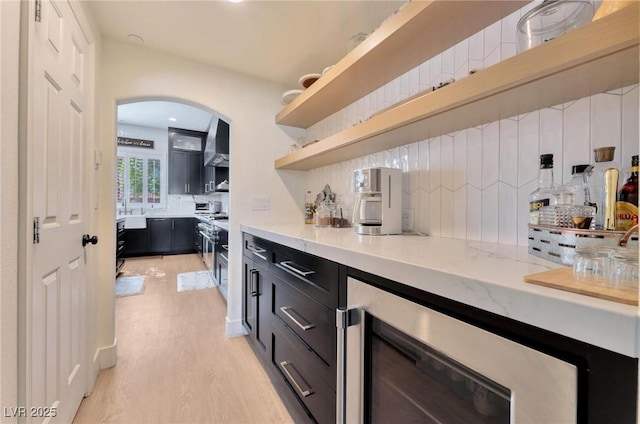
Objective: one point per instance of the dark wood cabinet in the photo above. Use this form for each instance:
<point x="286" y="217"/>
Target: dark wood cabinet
<point x="289" y="303"/>
<point x="137" y="242"/>
<point x="305" y="374"/>
<point x="306" y="292"/>
<point x="181" y="235"/>
<point x="185" y="172"/>
<point x="186" y="161"/>
<point x="257" y="293"/>
<point x="165" y="236"/>
<point x="159" y="235"/>
<point x="214" y="175"/>
<point x="121" y="244"/>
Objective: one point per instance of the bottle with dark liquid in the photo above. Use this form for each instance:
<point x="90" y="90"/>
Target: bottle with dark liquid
<point x="627" y="204"/>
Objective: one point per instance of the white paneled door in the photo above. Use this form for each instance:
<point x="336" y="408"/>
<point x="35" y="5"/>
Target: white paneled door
<point x="57" y="192"/>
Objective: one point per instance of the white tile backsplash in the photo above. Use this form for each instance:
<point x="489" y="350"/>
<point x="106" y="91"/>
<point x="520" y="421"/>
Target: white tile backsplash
<point x="630" y="122"/>
<point x="474" y="184"/>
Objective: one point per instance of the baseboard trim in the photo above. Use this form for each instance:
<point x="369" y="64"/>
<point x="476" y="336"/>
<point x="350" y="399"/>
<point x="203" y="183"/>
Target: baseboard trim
<point x="107" y="356"/>
<point x="234" y="328"/>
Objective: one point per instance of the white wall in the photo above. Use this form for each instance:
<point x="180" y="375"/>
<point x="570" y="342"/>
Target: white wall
<point x="474" y="184"/>
<point x="128" y="73"/>
<point x="9" y="37"/>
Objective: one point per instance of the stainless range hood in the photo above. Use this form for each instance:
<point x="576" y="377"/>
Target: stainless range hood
<point x="216" y="151"/>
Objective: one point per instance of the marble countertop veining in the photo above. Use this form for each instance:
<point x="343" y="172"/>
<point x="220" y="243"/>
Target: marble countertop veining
<point x="488" y="276"/>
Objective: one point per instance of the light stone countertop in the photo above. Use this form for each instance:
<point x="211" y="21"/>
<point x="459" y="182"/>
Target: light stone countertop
<point x="221" y="223"/>
<point x="488" y="276"/>
<point x="160" y="215"/>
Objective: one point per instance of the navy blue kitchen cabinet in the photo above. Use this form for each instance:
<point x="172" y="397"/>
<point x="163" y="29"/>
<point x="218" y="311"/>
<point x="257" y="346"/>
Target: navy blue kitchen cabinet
<point x="214" y="175"/>
<point x="182" y="235"/>
<point x="159" y="235"/>
<point x="185" y="173"/>
<point x="256" y="293"/>
<point x="137" y="242"/>
<point x="186" y="161"/>
<point x="163" y="236"/>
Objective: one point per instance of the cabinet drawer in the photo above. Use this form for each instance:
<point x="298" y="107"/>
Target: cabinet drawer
<point x="256" y="249"/>
<point x="314" y="323"/>
<point x="316" y="277"/>
<point x="303" y="371"/>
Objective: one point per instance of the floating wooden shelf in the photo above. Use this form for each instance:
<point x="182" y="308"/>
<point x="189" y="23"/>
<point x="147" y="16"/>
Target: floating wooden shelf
<point x="419" y="31"/>
<point x="598" y="57"/>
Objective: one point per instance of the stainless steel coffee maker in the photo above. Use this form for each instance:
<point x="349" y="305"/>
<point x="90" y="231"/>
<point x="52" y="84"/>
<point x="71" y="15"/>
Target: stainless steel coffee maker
<point x="378" y="207"/>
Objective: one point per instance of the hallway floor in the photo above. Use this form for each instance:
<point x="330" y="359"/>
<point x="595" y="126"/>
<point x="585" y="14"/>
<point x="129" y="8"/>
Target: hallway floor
<point x="175" y="363"/>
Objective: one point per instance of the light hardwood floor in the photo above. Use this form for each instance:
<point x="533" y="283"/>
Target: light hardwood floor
<point x="175" y="364"/>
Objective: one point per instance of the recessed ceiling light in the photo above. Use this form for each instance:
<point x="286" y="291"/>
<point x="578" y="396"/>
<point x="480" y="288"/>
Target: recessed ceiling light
<point x="235" y="1"/>
<point x="172" y="119"/>
<point x="136" y="39"/>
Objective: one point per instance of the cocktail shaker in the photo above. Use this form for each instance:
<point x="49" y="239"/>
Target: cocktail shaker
<point x="610" y="191"/>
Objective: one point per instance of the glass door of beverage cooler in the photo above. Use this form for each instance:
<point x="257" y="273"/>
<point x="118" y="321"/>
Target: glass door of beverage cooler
<point x="411" y="382"/>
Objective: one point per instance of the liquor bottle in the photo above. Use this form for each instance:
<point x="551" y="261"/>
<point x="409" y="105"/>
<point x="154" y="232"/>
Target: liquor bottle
<point x="308" y="209"/>
<point x="627" y="204"/>
<point x="578" y="185"/>
<point x="543" y="195"/>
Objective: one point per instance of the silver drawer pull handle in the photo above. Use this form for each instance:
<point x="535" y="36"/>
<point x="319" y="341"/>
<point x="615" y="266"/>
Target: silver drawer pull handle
<point x="304" y="393"/>
<point x="225" y="246"/>
<point x="286" y="309"/>
<point x="257" y="251"/>
<point x="290" y="266"/>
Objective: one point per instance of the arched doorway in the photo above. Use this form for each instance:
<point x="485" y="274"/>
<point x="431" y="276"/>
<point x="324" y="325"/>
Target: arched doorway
<point x="162" y="173"/>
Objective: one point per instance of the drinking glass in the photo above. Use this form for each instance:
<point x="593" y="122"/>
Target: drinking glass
<point x="591" y="265"/>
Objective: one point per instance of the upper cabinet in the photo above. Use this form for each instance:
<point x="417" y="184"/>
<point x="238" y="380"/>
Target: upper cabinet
<point x="186" y="161"/>
<point x="598" y="57"/>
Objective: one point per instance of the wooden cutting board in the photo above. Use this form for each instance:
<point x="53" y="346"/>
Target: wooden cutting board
<point x="563" y="279"/>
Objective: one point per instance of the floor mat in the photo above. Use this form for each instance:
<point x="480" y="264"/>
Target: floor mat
<point x="195" y="280"/>
<point x="129" y="286"/>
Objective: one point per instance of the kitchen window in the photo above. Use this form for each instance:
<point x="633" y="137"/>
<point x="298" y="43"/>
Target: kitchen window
<point x="140" y="180"/>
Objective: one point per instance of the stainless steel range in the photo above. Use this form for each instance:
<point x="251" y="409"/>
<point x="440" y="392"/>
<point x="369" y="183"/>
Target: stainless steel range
<point x="211" y="241"/>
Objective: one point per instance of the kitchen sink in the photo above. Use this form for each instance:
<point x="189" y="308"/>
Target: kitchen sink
<point x="135" y="221"/>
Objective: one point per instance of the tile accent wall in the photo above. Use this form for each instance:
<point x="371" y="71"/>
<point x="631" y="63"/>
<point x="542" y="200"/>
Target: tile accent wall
<point x="474" y="184"/>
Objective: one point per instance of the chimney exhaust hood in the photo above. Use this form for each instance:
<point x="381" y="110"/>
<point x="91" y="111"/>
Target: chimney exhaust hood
<point x="216" y="151"/>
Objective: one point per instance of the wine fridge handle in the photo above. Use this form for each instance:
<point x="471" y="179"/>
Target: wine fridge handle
<point x="344" y="318"/>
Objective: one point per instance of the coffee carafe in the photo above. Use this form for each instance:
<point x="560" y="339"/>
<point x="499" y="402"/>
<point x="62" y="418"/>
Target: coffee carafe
<point x="378" y="207"/>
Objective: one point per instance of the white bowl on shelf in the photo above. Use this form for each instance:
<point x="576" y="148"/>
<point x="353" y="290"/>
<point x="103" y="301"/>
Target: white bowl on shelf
<point x="288" y="96"/>
<point x="306" y="81"/>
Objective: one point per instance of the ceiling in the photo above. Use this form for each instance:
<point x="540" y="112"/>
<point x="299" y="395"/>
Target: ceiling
<point x="277" y="41"/>
<point x="159" y="114"/>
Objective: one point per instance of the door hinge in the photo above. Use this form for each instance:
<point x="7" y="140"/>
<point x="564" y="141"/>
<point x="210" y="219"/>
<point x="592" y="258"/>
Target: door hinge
<point x="38" y="16"/>
<point x="36" y="230"/>
<point x="347" y="317"/>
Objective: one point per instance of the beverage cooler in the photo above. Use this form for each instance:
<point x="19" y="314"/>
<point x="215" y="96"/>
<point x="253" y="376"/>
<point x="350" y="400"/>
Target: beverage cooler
<point x="400" y="361"/>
